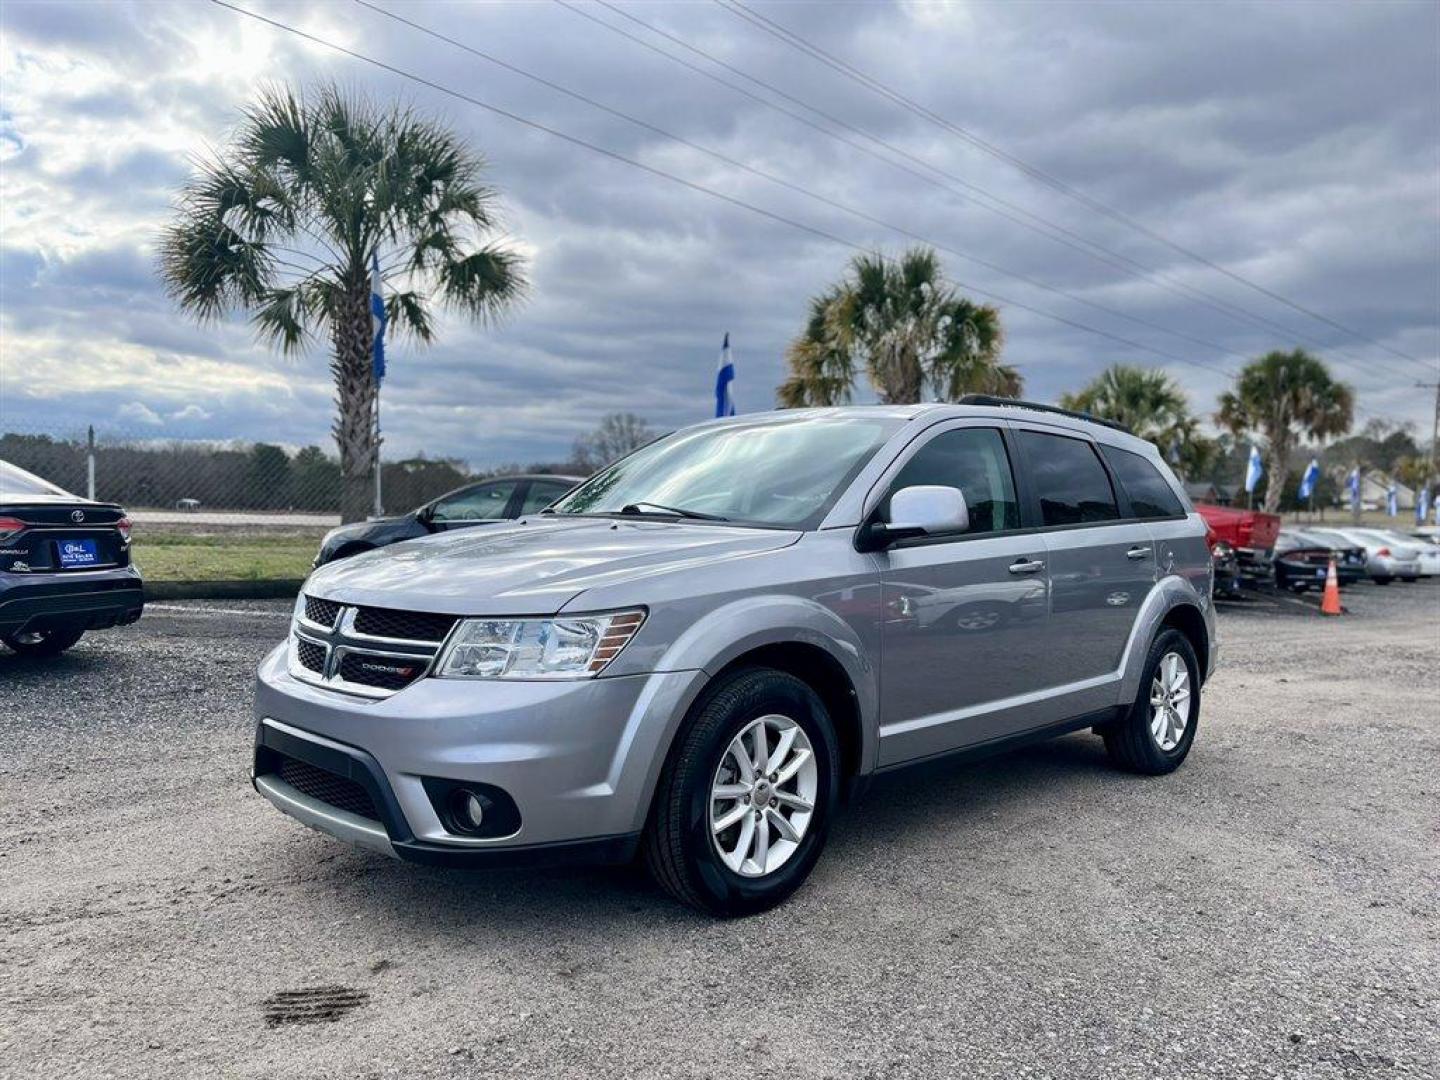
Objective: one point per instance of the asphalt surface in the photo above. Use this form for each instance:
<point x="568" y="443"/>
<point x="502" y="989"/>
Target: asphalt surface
<point x="1269" y="910"/>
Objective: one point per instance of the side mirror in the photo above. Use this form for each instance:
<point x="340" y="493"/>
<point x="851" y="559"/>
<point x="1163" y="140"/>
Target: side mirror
<point x="918" y="511"/>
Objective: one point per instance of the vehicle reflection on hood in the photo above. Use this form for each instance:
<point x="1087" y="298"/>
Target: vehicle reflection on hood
<point x="535" y="566"/>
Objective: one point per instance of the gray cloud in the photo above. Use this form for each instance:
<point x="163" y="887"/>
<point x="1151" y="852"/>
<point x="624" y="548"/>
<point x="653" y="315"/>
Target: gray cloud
<point x="1296" y="143"/>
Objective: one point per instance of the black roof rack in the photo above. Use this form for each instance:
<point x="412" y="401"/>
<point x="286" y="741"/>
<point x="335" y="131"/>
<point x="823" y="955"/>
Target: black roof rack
<point x="1016" y="403"/>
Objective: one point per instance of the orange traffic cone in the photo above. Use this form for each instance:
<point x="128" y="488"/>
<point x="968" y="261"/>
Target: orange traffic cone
<point x="1331" y="604"/>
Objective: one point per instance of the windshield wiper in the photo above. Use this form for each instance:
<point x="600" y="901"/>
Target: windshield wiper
<point x="639" y="508"/>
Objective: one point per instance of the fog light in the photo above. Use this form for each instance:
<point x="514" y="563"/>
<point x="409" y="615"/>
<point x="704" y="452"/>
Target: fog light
<point x="470" y="809"/>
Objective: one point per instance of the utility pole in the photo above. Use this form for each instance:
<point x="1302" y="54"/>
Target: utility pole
<point x="90" y="464"/>
<point x="1434" y="479"/>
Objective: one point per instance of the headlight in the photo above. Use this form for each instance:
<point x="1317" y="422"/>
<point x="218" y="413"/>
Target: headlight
<point x="565" y="647"/>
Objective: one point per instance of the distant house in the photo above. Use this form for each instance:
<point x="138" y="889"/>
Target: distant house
<point x="1202" y="491"/>
<point x="1375" y="491"/>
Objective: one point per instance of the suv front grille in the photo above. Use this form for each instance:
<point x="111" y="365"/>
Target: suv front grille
<point x="310" y="655"/>
<point x="403" y="625"/>
<point x="321" y="612"/>
<point x="335" y="645"/>
<point x="383" y="672"/>
<point x="329" y="788"/>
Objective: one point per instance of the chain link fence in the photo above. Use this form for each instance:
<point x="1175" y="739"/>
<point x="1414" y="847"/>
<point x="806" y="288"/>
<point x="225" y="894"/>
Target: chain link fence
<point x="209" y="511"/>
<point x="254" y="478"/>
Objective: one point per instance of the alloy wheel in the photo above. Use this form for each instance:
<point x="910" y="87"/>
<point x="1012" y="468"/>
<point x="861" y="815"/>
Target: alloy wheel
<point x="1170" y="701"/>
<point x="762" y="797"/>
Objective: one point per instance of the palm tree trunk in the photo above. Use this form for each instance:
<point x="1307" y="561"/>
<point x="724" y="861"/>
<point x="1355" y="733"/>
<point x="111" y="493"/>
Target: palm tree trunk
<point x="1276" y="456"/>
<point x="354" y="397"/>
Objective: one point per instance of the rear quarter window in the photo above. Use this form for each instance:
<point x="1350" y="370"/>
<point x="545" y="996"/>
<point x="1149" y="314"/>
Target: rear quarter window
<point x="1072" y="484"/>
<point x="1150" y="495"/>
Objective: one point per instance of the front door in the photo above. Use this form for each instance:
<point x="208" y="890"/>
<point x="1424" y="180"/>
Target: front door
<point x="964" y="613"/>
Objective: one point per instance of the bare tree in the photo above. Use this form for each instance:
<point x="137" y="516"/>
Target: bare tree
<point x="616" y="436"/>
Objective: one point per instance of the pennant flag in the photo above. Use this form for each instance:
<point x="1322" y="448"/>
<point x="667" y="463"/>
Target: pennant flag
<point x="724" y="376"/>
<point x="1422" y="505"/>
<point x="1310" y="479"/>
<point x="1392" y="500"/>
<point x="377" y="320"/>
<point x="1352" y="485"/>
<point x="1254" y="470"/>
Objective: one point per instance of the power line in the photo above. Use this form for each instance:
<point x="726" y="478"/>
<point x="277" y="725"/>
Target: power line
<point x="690" y="184"/>
<point x="776" y="30"/>
<point x="1008" y="210"/>
<point x="781" y="181"/>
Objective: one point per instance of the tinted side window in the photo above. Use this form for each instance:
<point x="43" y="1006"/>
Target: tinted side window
<point x="485" y="502"/>
<point x="973" y="460"/>
<point x="1073" y="486"/>
<point x="1150" y="495"/>
<point x="541" y="494"/>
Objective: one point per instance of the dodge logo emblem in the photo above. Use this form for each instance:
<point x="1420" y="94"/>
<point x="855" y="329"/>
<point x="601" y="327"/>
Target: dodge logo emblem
<point x="77" y="515"/>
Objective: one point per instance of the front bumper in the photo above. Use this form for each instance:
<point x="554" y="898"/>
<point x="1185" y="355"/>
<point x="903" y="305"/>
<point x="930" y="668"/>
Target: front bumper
<point x="579" y="759"/>
<point x="90" y="599"/>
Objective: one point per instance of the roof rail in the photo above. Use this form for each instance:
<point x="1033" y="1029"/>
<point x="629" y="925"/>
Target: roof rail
<point x="1016" y="403"/>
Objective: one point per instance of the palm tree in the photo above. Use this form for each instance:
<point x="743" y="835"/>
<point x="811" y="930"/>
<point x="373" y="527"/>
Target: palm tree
<point x="286" y="220"/>
<point x="1152" y="405"/>
<point x="1280" y="396"/>
<point x="910" y="330"/>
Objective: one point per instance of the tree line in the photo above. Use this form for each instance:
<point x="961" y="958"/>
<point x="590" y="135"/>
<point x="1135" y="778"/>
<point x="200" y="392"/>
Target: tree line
<point x="897" y="324"/>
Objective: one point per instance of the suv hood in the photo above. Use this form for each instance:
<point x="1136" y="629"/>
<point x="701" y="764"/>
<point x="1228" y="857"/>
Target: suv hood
<point x="534" y="568"/>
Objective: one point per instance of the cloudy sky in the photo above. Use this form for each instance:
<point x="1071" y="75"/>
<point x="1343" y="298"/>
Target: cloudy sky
<point x="1294" y="144"/>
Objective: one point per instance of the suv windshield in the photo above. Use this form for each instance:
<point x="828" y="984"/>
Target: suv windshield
<point x="783" y="472"/>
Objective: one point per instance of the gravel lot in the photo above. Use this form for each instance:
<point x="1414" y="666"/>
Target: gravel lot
<point x="1270" y="910"/>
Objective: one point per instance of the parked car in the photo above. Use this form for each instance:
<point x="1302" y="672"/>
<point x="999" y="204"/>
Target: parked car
<point x="64" y="565"/>
<point x="502" y="499"/>
<point x="1426" y="555"/>
<point x="1384" y="560"/>
<point x="1242" y="543"/>
<point x="700" y="651"/>
<point x="1302" y="560"/>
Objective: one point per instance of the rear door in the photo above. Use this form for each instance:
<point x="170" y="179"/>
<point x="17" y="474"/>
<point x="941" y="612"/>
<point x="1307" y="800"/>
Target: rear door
<point x="964" y="613"/>
<point x="1180" y="546"/>
<point x="1102" y="566"/>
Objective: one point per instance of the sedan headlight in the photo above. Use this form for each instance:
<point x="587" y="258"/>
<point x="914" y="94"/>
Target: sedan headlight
<point x="563" y="647"/>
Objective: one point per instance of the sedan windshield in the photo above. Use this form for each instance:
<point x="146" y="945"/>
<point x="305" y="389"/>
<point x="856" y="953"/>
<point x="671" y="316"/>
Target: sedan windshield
<point x="782" y="472"/>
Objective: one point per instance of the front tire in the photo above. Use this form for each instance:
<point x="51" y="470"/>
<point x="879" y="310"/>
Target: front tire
<point x="1156" y="734"/>
<point x="42" y="643"/>
<point x="746" y="798"/>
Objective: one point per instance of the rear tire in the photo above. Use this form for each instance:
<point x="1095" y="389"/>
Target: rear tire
<point x="686" y="853"/>
<point x="42" y="643"/>
<point x="1383" y="580"/>
<point x="1149" y="739"/>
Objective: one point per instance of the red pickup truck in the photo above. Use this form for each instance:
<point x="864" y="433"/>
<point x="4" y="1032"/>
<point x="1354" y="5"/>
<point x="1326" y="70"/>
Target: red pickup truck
<point x="1242" y="545"/>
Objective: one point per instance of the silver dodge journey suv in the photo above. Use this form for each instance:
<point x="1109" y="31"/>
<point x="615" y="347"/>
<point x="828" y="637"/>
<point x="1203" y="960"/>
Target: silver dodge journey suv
<point x="701" y="652"/>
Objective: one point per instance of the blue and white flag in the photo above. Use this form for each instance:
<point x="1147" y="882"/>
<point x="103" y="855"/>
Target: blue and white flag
<point x="377" y="320"/>
<point x="1253" y="471"/>
<point x="1352" y="485"/>
<point x="1392" y="500"/>
<point x="1422" y="504"/>
<point x="724" y="376"/>
<point x="1309" y="480"/>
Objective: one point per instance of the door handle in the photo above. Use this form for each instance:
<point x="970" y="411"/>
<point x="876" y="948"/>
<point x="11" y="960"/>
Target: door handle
<point x="1138" y="553"/>
<point x="1027" y="566"/>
